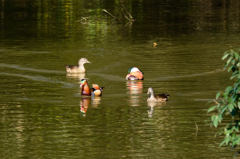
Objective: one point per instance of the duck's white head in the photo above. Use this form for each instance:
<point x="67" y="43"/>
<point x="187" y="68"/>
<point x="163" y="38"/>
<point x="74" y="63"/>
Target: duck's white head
<point x="133" y="69"/>
<point x="83" y="61"/>
<point x="150" y="91"/>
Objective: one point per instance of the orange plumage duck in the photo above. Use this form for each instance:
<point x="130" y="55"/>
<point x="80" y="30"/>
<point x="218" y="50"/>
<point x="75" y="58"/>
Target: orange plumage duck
<point x="96" y="90"/>
<point x="87" y="91"/>
<point x="134" y="74"/>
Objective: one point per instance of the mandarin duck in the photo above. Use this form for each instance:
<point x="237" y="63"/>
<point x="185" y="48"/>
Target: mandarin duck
<point x="96" y="90"/>
<point x="134" y="74"/>
<point x="87" y="91"/>
<point x="77" y="68"/>
<point x="157" y="97"/>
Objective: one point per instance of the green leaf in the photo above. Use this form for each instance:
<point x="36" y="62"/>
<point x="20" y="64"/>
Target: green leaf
<point x="232" y="77"/>
<point x="223" y="109"/>
<point x="212" y="108"/>
<point x="220" y="118"/>
<point x="229" y="60"/>
<point x="218" y="94"/>
<point x="239" y="104"/>
<point x="230" y="68"/>
<point x="236" y="55"/>
<point x="226" y="52"/>
<point x="222" y="143"/>
<point x="230" y="107"/>
<point x="225" y="56"/>
<point x="227" y="140"/>
<point x="228" y="89"/>
<point x="215" y="120"/>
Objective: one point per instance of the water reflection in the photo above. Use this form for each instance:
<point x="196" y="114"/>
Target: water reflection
<point x="151" y="106"/>
<point x="80" y="76"/>
<point x="84" y="104"/>
<point x="134" y="88"/>
<point x="96" y="101"/>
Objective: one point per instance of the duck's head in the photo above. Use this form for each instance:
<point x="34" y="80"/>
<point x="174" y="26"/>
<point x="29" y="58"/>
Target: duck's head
<point x="83" y="61"/>
<point x="83" y="82"/>
<point x="134" y="69"/>
<point x="150" y="91"/>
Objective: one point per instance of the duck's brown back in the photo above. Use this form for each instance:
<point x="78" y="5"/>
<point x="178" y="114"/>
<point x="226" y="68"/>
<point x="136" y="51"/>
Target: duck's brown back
<point x="162" y="96"/>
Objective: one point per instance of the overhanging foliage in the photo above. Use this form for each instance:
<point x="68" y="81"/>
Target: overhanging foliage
<point x="228" y="103"/>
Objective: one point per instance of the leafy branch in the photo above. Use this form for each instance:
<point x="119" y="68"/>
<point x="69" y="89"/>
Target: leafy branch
<point x="228" y="102"/>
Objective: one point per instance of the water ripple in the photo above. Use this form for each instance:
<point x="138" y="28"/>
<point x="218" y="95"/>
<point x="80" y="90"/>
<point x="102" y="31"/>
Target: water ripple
<point x="40" y="78"/>
<point x="30" y="69"/>
<point x="183" y="76"/>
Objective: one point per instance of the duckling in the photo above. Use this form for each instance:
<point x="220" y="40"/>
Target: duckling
<point x="96" y="90"/>
<point x="77" y="68"/>
<point x="157" y="97"/>
<point x="87" y="91"/>
<point x="134" y="74"/>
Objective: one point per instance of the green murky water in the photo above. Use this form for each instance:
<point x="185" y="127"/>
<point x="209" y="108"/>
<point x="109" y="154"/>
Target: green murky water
<point x="41" y="109"/>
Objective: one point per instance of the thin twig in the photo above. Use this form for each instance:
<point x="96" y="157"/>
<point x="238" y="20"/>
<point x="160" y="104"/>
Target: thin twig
<point x="128" y="23"/>
<point x="109" y="13"/>
<point x="126" y="10"/>
<point x="215" y="101"/>
<point x="196" y="128"/>
<point x="126" y="16"/>
<point x="84" y="18"/>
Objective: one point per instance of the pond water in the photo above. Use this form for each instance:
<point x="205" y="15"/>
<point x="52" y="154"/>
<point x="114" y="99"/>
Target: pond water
<point x="43" y="114"/>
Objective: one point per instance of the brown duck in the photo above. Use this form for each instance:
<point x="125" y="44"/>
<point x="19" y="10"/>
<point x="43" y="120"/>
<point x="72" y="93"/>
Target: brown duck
<point x="158" y="97"/>
<point x="77" y="68"/>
